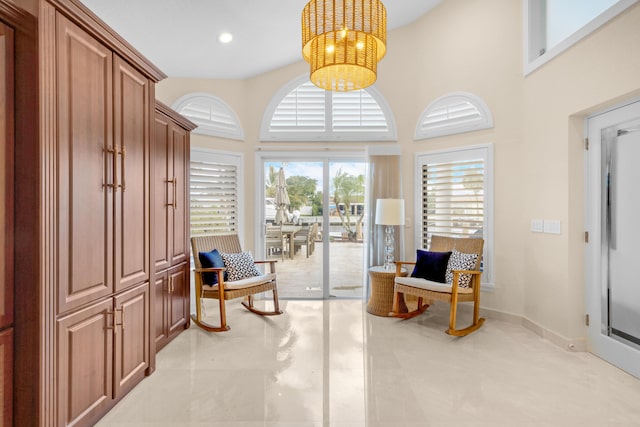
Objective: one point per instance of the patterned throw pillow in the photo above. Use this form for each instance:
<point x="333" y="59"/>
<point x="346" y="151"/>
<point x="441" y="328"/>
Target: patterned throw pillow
<point x="240" y="266"/>
<point x="461" y="261"/>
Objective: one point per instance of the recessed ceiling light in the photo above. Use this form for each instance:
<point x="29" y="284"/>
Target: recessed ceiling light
<point x="225" y="37"/>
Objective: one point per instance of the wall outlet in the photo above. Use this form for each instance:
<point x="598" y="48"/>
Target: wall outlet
<point x="537" y="225"/>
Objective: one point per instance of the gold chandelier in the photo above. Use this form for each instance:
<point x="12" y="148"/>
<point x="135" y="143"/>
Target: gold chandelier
<point x="343" y="40"/>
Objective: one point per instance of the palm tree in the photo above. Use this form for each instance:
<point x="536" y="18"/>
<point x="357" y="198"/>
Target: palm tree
<point x="348" y="189"/>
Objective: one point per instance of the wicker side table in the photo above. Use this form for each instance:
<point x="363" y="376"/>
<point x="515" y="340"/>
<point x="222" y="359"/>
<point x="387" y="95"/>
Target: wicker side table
<point x="381" y="300"/>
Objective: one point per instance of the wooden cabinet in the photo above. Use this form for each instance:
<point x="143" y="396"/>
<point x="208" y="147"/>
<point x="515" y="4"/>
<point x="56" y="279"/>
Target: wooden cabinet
<point x="171" y="298"/>
<point x="103" y="217"/>
<point x="103" y="351"/>
<point x="170" y="164"/>
<point x="84" y="248"/>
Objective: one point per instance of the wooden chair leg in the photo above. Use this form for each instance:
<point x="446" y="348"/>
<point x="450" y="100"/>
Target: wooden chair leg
<point x="197" y="319"/>
<point x="276" y="306"/>
<point x="477" y="322"/>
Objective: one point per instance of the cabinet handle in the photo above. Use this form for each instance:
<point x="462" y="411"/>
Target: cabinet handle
<point x="123" y="154"/>
<point x="170" y="285"/>
<point x="115" y="168"/>
<point x="121" y="324"/>
<point x="172" y="204"/>
<point x="175" y="185"/>
<point x="113" y="326"/>
<point x="114" y="152"/>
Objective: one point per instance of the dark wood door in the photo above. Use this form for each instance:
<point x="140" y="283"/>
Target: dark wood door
<point x="178" y="299"/>
<point x="131" y="143"/>
<point x="6" y="377"/>
<point x="85" y="363"/>
<point x="162" y="192"/>
<point x="6" y="176"/>
<point x="84" y="167"/>
<point x="180" y="171"/>
<point x="131" y="349"/>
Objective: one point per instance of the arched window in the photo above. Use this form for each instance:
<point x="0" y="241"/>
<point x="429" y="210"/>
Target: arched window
<point x="212" y="115"/>
<point x="454" y="113"/>
<point x="301" y="111"/>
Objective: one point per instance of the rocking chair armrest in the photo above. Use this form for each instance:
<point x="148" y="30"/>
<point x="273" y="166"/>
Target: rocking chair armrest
<point x="208" y="269"/>
<point x="271" y="262"/>
<point x="476" y="272"/>
<point x="399" y="265"/>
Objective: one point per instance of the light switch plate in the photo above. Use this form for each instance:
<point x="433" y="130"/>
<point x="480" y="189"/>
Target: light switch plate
<point x="551" y="226"/>
<point x="537" y="225"/>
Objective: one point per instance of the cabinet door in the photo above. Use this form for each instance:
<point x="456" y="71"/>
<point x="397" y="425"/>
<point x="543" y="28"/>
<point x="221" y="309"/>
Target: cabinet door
<point x="162" y="192"/>
<point x="160" y="302"/>
<point x="6" y="377"/>
<point x="84" y="172"/>
<point x="178" y="299"/>
<point x="85" y="364"/>
<point x="131" y="351"/>
<point x="180" y="220"/>
<point x="131" y="142"/>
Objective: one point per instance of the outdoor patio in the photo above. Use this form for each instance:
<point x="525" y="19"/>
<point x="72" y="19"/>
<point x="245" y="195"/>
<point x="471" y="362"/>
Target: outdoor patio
<point x="301" y="277"/>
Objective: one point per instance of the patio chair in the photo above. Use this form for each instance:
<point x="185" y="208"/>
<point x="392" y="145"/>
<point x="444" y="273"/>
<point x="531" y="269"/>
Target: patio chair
<point x="274" y="240"/>
<point x="223" y="280"/>
<point x="304" y="237"/>
<point x="462" y="258"/>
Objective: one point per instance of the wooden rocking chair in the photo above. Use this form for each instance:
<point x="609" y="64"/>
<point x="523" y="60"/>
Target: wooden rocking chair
<point x="226" y="290"/>
<point x="429" y="291"/>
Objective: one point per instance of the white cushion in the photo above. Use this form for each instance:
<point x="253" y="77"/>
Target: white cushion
<point x="244" y="283"/>
<point x="429" y="285"/>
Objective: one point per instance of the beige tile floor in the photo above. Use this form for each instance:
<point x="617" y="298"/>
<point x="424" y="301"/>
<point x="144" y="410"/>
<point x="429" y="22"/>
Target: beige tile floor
<point x="330" y="364"/>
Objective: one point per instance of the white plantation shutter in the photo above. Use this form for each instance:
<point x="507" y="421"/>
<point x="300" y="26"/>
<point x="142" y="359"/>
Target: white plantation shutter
<point x="214" y="198"/>
<point x="454" y="113"/>
<point x="212" y="115"/>
<point x="455" y="198"/>
<point x="302" y="110"/>
<point x="308" y="113"/>
<point x="357" y="111"/>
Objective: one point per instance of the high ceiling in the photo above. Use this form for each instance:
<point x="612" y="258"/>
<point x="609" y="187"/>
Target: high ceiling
<point x="180" y="36"/>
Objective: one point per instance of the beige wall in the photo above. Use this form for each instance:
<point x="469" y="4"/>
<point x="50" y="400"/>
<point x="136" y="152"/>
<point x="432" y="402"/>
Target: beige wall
<point x="476" y="46"/>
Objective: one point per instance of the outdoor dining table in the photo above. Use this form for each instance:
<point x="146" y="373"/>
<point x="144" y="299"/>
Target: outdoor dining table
<point x="289" y="231"/>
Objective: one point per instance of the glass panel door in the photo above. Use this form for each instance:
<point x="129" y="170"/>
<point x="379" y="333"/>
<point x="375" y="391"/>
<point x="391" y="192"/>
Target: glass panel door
<point x="313" y="225"/>
<point x="346" y="222"/>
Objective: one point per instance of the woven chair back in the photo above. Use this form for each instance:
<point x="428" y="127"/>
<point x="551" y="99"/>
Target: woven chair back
<point x="467" y="245"/>
<point x="227" y="243"/>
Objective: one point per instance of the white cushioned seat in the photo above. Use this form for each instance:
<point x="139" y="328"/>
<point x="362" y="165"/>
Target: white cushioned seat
<point x="244" y="283"/>
<point x="419" y="283"/>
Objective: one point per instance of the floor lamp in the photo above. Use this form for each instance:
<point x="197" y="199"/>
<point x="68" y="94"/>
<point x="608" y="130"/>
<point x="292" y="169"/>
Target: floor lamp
<point x="389" y="212"/>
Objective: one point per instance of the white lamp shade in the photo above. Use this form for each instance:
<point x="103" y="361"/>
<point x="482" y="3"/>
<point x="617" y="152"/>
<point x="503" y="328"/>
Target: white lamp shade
<point x="390" y="211"/>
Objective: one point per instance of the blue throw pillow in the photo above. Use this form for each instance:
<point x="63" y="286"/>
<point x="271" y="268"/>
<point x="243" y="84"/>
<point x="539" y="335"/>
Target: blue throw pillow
<point x="431" y="265"/>
<point x="211" y="259"/>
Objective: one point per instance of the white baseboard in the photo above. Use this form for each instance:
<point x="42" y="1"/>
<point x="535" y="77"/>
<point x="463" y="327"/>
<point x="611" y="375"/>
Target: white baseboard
<point x="571" y="344"/>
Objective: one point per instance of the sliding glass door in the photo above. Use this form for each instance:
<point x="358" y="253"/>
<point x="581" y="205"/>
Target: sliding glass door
<point x="312" y="223"/>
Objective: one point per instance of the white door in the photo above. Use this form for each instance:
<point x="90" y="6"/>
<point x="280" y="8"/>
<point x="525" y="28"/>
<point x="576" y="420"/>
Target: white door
<point x="613" y="221"/>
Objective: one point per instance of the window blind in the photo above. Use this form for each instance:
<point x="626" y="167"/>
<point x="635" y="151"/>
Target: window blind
<point x="214" y="198"/>
<point x="303" y="109"/>
<point x="453" y="199"/>
<point x="357" y="111"/>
